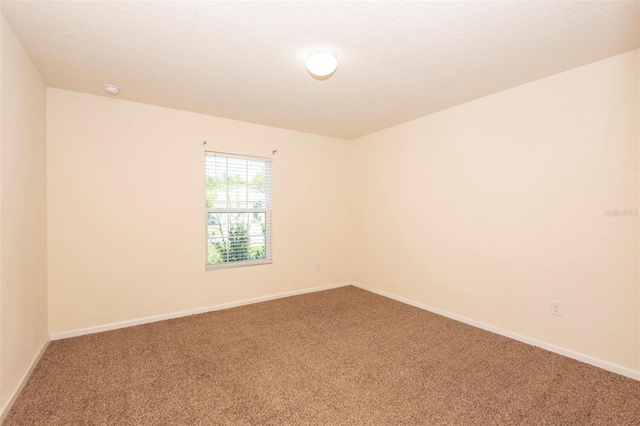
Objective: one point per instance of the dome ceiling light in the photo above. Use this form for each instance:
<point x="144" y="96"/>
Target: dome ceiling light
<point x="322" y="63"/>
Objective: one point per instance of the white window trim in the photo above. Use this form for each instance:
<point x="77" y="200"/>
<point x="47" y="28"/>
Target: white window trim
<point x="268" y="213"/>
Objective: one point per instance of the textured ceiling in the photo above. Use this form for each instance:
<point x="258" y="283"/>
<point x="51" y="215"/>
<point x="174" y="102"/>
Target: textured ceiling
<point x="246" y="60"/>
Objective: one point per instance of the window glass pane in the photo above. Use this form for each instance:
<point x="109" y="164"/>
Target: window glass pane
<point x="233" y="237"/>
<point x="235" y="183"/>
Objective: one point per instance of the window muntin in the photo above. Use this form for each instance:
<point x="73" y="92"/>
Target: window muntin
<point x="238" y="210"/>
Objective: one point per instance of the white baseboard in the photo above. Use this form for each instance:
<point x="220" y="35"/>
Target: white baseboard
<point x="146" y="320"/>
<point x="7" y="407"/>
<point x="605" y="365"/>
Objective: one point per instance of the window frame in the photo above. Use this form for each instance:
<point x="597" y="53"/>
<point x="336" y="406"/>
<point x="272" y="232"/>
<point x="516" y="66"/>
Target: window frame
<point x="267" y="210"/>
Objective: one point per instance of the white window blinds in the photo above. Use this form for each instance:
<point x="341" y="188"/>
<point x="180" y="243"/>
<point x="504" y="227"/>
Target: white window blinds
<point x="238" y="210"/>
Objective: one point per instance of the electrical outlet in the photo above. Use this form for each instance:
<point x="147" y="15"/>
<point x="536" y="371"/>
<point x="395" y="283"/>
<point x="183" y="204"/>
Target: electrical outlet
<point x="317" y="266"/>
<point x="41" y="309"/>
<point x="556" y="308"/>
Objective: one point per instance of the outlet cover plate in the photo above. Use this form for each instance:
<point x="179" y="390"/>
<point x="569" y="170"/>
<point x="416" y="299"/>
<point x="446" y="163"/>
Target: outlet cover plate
<point x="556" y="308"/>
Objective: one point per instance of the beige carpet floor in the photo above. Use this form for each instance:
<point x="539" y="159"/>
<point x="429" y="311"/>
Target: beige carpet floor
<point x="338" y="357"/>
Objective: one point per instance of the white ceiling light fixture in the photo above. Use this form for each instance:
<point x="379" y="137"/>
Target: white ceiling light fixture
<point x="111" y="89"/>
<point x="322" y="63"/>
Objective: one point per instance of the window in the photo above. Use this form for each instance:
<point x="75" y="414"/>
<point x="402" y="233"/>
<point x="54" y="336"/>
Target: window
<point x="238" y="210"/>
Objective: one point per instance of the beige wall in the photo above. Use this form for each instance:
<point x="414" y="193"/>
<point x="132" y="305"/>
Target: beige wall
<point x="23" y="236"/>
<point x="126" y="210"/>
<point x="493" y="208"/>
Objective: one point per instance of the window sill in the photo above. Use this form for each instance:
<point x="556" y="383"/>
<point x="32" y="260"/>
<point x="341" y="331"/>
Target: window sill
<point x="238" y="264"/>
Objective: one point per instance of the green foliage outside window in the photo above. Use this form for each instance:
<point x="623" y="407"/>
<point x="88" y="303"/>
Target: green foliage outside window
<point x="237" y="246"/>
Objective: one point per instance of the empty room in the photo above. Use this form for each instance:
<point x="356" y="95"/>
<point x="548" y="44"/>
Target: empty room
<point x="320" y="213"/>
